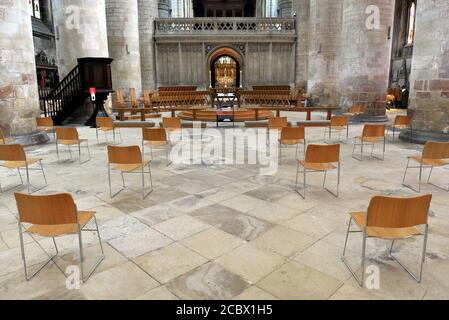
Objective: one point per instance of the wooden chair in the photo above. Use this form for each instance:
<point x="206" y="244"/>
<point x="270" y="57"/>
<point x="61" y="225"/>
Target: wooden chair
<point x="106" y="124"/>
<point x="277" y="123"/>
<point x="121" y="103"/>
<point x="434" y="155"/>
<point x="400" y="123"/>
<point x="320" y="158"/>
<point x="46" y="124"/>
<point x="391" y="219"/>
<point x="127" y="160"/>
<point x="133" y="99"/>
<point x="372" y="134"/>
<point x="3" y="139"/>
<point x="171" y="124"/>
<point x="355" y="110"/>
<point x="292" y="136"/>
<point x="12" y="156"/>
<point x="70" y="137"/>
<point x="338" y="124"/>
<point x="147" y="99"/>
<point x="155" y="137"/>
<point x="52" y="216"/>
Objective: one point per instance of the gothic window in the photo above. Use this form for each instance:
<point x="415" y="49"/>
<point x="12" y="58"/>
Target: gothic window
<point x="35" y="8"/>
<point x="411" y="23"/>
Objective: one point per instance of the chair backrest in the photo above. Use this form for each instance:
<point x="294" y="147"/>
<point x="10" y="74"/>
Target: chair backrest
<point x="120" y="98"/>
<point x="124" y="155"/>
<point x="12" y="152"/>
<point x="323" y="153"/>
<point x="358" y="108"/>
<point x="403" y="120"/>
<point x="398" y="212"/>
<point x="293" y="133"/>
<point x="105" y="122"/>
<point x="277" y="122"/>
<point x="50" y="209"/>
<point x="154" y="134"/>
<point x="436" y="150"/>
<point x="2" y="136"/>
<point x="45" y="122"/>
<point x="67" y="134"/>
<point x="374" y="130"/>
<point x="171" y="123"/>
<point x="147" y="95"/>
<point x="339" y="121"/>
<point x="133" y="97"/>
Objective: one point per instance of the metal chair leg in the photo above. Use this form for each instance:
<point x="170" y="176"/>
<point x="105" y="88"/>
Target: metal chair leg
<point x="102" y="257"/>
<point x="343" y="258"/>
<point x="417" y="278"/>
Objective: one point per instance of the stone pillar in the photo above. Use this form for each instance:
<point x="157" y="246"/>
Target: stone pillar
<point x="123" y="41"/>
<point x="261" y="8"/>
<point x="164" y="8"/>
<point x="148" y="11"/>
<point x="80" y="28"/>
<point x="365" y="56"/>
<point x="301" y="10"/>
<point x="285" y="8"/>
<point x="429" y="79"/>
<point x="324" y="49"/>
<point x="19" y="99"/>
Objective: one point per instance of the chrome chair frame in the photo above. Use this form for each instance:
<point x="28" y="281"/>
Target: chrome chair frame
<point x="297" y="149"/>
<point x="144" y="195"/>
<point x="421" y="167"/>
<point x="167" y="148"/>
<point x="114" y="134"/>
<point x="373" y="144"/>
<point x="393" y="129"/>
<point x="361" y="280"/>
<point x="27" y="169"/>
<point x="70" y="151"/>
<point x="303" y="195"/>
<point x="51" y="257"/>
<point x="326" y="129"/>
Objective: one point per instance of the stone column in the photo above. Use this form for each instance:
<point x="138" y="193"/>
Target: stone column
<point x="429" y="79"/>
<point x="80" y="28"/>
<point x="324" y="49"/>
<point x="285" y="8"/>
<point x="301" y="9"/>
<point x="148" y="11"/>
<point x="123" y="41"/>
<point x="164" y="8"/>
<point x="365" y="56"/>
<point x="19" y="100"/>
<point x="261" y="8"/>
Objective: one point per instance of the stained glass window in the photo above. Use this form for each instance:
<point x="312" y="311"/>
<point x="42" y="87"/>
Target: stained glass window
<point x="35" y="8"/>
<point x="411" y="24"/>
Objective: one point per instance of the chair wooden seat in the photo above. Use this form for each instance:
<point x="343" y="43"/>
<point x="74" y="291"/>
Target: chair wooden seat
<point x="384" y="233"/>
<point x="128" y="167"/>
<point x="156" y="143"/>
<point x="71" y="142"/>
<point x="369" y="139"/>
<point x="430" y="162"/>
<point x="19" y="164"/>
<point x="317" y="166"/>
<point x="62" y="229"/>
<point x="105" y="129"/>
<point x="291" y="142"/>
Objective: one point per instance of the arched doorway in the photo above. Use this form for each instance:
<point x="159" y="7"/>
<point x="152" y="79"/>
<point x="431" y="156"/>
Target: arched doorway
<point x="225" y="68"/>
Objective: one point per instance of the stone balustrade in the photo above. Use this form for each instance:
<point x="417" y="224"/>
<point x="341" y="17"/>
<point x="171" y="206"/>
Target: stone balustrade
<point x="189" y="26"/>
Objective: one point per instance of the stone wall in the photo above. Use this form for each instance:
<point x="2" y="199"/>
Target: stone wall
<point x="285" y="8"/>
<point x="164" y="8"/>
<point x="80" y="29"/>
<point x="365" y="55"/>
<point x="123" y="41"/>
<point x="19" y="101"/>
<point x="301" y="8"/>
<point x="324" y="49"/>
<point x="429" y="96"/>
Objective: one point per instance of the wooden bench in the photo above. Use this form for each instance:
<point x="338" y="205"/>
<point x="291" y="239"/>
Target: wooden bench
<point x="133" y="124"/>
<point x="189" y="125"/>
<point x="314" y="123"/>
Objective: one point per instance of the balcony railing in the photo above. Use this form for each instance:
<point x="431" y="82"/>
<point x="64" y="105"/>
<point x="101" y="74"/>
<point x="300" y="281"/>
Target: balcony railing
<point x="193" y="26"/>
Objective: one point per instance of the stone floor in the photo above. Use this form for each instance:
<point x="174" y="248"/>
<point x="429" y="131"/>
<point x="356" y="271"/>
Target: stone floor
<point x="216" y="231"/>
